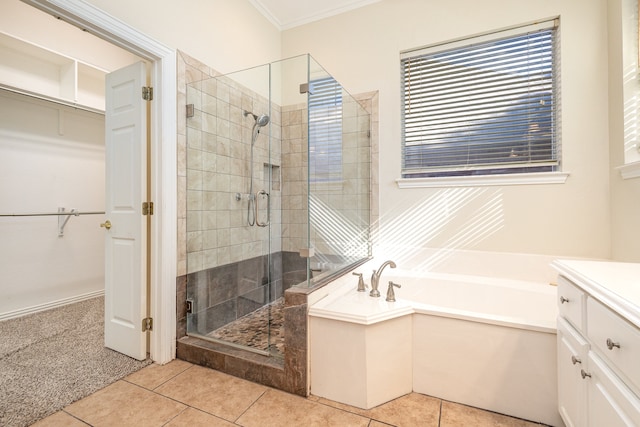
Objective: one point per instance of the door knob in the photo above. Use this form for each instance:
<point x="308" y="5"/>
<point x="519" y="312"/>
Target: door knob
<point x="106" y="224"/>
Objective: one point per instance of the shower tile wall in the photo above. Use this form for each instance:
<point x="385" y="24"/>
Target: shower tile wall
<point x="218" y="153"/>
<point x="294" y="178"/>
<point x="340" y="209"/>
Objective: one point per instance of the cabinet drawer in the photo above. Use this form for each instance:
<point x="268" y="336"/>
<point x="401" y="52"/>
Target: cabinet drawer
<point x="571" y="301"/>
<point x="617" y="340"/>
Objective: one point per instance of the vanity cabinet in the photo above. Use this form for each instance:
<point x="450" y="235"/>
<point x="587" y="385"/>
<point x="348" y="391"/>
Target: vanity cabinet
<point x="598" y="359"/>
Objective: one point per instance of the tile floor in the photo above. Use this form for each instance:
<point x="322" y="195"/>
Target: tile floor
<point x="182" y="394"/>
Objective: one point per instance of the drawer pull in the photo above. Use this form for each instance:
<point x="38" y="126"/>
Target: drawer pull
<point x="584" y="374"/>
<point x="575" y="360"/>
<point x="563" y="299"/>
<point x="611" y="344"/>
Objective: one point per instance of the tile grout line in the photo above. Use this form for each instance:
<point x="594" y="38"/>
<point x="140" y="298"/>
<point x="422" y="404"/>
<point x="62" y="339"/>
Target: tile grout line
<point x="250" y="406"/>
<point x="345" y="410"/>
<point x="161" y="384"/>
<point x="177" y="415"/>
<point x="72" y="416"/>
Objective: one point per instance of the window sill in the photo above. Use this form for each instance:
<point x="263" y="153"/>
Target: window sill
<point x="485" y="180"/>
<point x="630" y="170"/>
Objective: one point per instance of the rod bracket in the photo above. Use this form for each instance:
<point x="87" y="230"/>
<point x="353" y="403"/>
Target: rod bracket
<point x="63" y="219"/>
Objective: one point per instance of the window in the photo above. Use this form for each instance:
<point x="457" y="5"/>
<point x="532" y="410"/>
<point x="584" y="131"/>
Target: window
<point x="325" y="130"/>
<point x="481" y="106"/>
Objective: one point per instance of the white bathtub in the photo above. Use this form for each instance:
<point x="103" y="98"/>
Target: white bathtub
<point x="484" y="342"/>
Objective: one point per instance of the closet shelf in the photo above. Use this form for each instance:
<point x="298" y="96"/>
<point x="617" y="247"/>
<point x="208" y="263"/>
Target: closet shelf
<point x="35" y="69"/>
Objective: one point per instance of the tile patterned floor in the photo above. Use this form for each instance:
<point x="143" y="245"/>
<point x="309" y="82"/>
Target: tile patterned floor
<point x="182" y="394"/>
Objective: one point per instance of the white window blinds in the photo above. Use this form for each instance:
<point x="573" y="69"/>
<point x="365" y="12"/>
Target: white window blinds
<point x="325" y="130"/>
<point x="482" y="106"/>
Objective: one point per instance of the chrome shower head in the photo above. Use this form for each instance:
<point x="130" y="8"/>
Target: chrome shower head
<point x="261" y="120"/>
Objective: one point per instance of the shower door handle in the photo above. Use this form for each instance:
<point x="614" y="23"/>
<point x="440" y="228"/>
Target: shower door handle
<point x="258" y="223"/>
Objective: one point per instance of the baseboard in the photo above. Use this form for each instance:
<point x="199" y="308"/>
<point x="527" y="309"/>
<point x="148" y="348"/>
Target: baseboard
<point x="49" y="305"/>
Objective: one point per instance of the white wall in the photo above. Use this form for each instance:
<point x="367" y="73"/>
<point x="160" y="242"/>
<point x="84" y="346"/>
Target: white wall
<point x="361" y="49"/>
<point x="227" y="35"/>
<point x="624" y="96"/>
<point x="50" y="157"/>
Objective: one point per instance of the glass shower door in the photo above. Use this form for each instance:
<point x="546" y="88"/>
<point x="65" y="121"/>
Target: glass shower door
<point x="229" y="212"/>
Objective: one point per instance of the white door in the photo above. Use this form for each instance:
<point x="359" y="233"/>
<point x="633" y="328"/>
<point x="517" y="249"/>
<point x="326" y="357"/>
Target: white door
<point x="126" y="185"/>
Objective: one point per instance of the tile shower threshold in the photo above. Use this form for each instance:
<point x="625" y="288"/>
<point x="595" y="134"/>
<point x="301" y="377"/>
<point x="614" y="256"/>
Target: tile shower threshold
<point x="266" y="370"/>
<point x="216" y="351"/>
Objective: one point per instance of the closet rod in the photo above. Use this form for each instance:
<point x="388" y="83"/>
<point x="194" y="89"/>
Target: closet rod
<point x="62" y="222"/>
<point x="74" y="213"/>
<point x="52" y="99"/>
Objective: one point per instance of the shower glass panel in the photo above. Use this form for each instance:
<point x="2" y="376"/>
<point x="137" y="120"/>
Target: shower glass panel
<point x="339" y="176"/>
<point x="278" y="173"/>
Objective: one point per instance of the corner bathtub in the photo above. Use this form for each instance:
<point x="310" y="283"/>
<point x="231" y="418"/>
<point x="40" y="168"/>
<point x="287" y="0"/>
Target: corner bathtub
<point x="484" y="342"/>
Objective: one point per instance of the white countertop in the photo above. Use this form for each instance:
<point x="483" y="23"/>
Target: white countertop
<point x="615" y="284"/>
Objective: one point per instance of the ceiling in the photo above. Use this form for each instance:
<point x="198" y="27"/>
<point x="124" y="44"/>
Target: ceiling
<point x="286" y="14"/>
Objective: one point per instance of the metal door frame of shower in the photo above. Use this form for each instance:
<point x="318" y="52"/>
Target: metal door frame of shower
<point x="163" y="157"/>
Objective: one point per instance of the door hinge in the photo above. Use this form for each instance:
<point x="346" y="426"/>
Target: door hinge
<point x="147" y="208"/>
<point x="147" y="93"/>
<point x="147" y="324"/>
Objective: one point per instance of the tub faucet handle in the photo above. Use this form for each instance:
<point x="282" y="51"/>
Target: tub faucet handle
<point x="361" y="285"/>
<point x="391" y="296"/>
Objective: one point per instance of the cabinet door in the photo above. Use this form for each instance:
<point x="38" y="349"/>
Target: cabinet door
<point x="611" y="403"/>
<point x="572" y="390"/>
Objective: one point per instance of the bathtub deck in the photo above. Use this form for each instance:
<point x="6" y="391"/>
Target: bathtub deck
<point x="516" y="304"/>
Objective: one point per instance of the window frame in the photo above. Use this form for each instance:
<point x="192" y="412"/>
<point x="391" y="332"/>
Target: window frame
<point x="488" y="173"/>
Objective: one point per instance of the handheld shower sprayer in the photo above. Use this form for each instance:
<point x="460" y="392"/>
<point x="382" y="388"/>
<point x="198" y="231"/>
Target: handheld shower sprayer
<point x="260" y="121"/>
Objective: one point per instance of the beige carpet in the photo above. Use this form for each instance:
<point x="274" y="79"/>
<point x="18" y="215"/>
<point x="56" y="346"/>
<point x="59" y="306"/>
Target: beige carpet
<point x="51" y="359"/>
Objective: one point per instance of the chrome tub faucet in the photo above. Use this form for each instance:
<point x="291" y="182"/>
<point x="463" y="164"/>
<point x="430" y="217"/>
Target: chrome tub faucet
<point x="375" y="278"/>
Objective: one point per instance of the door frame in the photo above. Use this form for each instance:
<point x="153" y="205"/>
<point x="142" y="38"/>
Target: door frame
<point x="163" y="128"/>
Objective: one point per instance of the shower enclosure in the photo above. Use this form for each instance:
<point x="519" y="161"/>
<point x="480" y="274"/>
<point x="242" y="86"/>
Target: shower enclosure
<point x="278" y="195"/>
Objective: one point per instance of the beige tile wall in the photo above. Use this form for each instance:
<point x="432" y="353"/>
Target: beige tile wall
<point x="213" y="165"/>
<point x="341" y="210"/>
